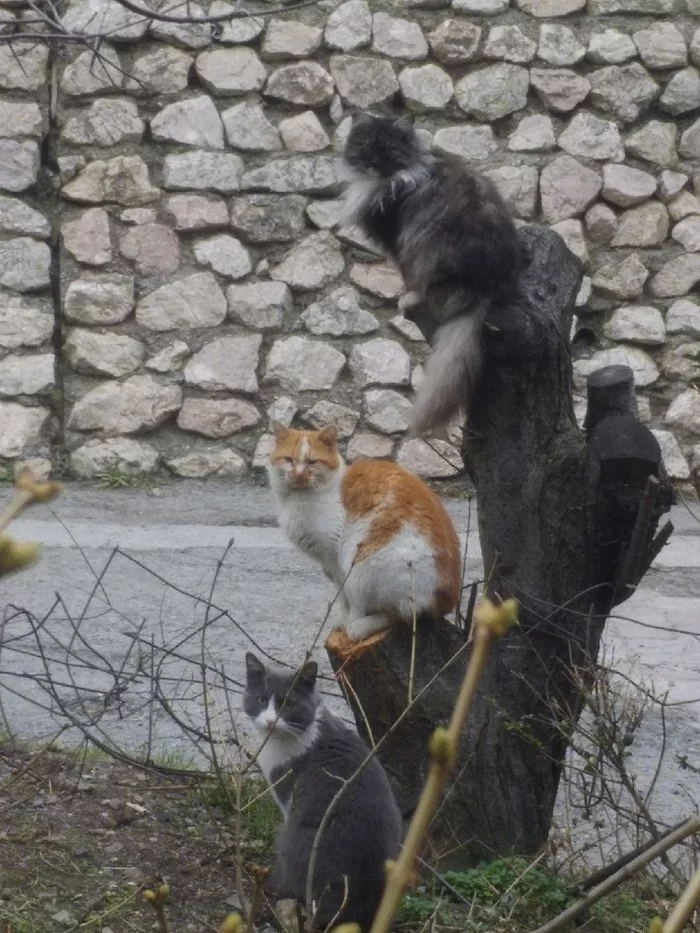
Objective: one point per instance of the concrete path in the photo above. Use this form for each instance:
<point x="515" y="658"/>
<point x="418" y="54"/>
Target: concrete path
<point x="172" y="542"/>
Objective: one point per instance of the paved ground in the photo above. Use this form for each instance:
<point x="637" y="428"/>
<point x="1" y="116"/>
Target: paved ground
<point x="173" y="542"/>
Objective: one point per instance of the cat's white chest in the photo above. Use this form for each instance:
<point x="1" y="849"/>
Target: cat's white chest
<point x="315" y="526"/>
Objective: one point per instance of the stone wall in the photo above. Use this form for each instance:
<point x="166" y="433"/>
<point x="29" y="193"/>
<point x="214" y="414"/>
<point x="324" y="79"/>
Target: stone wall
<point x="171" y="271"/>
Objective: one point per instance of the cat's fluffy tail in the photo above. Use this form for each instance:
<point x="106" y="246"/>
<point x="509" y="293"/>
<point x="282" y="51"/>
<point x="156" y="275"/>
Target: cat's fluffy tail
<point x="451" y="372"/>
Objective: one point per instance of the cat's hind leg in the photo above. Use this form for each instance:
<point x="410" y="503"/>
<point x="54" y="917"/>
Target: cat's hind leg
<point x="358" y="627"/>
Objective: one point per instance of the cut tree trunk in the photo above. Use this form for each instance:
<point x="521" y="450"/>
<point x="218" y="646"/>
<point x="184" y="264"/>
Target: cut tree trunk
<point x="566" y="522"/>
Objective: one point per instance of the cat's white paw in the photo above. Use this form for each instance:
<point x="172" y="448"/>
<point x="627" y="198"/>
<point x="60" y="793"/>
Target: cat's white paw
<point x="408" y="300"/>
<point x="364" y="626"/>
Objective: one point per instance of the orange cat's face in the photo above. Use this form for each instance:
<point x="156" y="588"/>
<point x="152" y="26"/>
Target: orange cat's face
<point x="305" y="459"/>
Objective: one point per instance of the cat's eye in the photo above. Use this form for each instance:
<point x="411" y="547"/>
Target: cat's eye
<point x="288" y="459"/>
<point x="262" y="700"/>
<point x="311" y="462"/>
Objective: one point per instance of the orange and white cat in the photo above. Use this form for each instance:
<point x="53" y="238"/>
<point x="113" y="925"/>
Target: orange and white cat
<point x="379" y="533"/>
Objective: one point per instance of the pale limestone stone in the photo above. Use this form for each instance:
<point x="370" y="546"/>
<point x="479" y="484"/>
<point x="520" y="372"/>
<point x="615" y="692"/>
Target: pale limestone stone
<point x="622" y="279"/>
<point x="161" y="70"/>
<point x="654" y="142"/>
<point x="192" y="122"/>
<point x="387" y="410"/>
<point x="87" y="238"/>
<point x="641" y="364"/>
<point x="425" y="88"/>
<point x="19" y="164"/>
<point x="230" y="71"/>
<point x="264" y="448"/>
<point x="567" y="188"/>
<point x="454" y="42"/>
<point x="32" y="374"/>
<point x="153" y="248"/>
<point x="472" y="143"/>
<point x="571" y="232"/>
<point x="546" y="9"/>
<point x="682" y="93"/>
<point x="25" y="264"/>
<point x="560" y="89"/>
<point x="282" y="410"/>
<point x="625" y="92"/>
<point x="23" y="65"/>
<point x="380" y="362"/>
<point x="398" y="38"/>
<point x="646" y="225"/>
<point x="592" y="138"/>
<point x="601" y="223"/>
<point x="355" y="236"/>
<point x="217" y="418"/>
<point x="339" y="314"/>
<point x="226" y="364"/>
<point x="189" y="35"/>
<point x="674" y="461"/>
<point x="363" y="81"/>
<point x="480" y="7"/>
<point x="687" y="233"/>
<point x="641" y="324"/>
<point x="380" y="279"/>
<point x="189" y="212"/>
<point x="367" y="446"/>
<point x="406" y="328"/>
<point x="125" y="454"/>
<point x="493" y="92"/>
<point x="18" y="217"/>
<point x="298" y="364"/>
<point x="611" y="47"/>
<point x="139" y="403"/>
<point x="136" y="216"/>
<point x="558" y="45"/>
<point x="510" y="44"/>
<point x="247" y="128"/>
<point x="286" y="38"/>
<point x="104" y="299"/>
<point x="268" y="218"/>
<point x="24" y="321"/>
<point x="305" y="84"/>
<point x="661" y="46"/>
<point x="677" y="277"/>
<point x="195" y="301"/>
<point x="323" y="413"/>
<point x="106" y="122"/>
<point x="170" y="358"/>
<point x="627" y="186"/>
<point x="98" y="354"/>
<point x="670" y="185"/>
<point x="517" y="185"/>
<point x="20" y="427"/>
<point x="315" y="262"/>
<point x="123" y="179"/>
<point x="302" y="175"/>
<point x="106" y="17"/>
<point x="203" y="171"/>
<point x="683" y="317"/>
<point x="349" y="26"/>
<point x="201" y="464"/>
<point x="685" y="205"/>
<point x="689" y="146"/>
<point x="533" y="134"/>
<point x="437" y="460"/>
<point x="20" y="118"/>
<point x="605" y="7"/>
<point x="684" y="411"/>
<point x="224" y="254"/>
<point x="262" y="305"/>
<point x="680" y="364"/>
<point x="304" y="133"/>
<point x="93" y="74"/>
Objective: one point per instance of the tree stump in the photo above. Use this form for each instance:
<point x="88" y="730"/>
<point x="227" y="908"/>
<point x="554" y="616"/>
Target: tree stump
<point x="566" y="522"/>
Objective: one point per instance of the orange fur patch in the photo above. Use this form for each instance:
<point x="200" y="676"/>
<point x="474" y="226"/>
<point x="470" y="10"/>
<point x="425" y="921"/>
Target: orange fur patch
<point x="368" y="484"/>
<point x="320" y="447"/>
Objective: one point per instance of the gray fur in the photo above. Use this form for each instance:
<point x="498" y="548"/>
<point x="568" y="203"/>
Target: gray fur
<point x="365" y="828"/>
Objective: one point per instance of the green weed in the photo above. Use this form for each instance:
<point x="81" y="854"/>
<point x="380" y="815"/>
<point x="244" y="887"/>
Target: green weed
<point x="116" y="478"/>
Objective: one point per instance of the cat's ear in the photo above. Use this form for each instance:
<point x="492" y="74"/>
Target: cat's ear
<point x="255" y="669"/>
<point x="404" y="122"/>
<point x="328" y="436"/>
<point x="281" y="431"/>
<point x="307" y="675"/>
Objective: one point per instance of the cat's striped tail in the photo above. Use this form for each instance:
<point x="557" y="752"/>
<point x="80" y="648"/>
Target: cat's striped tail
<point x="451" y="372"/>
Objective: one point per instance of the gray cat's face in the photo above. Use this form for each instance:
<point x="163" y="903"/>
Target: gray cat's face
<point x="381" y="146"/>
<point x="275" y="703"/>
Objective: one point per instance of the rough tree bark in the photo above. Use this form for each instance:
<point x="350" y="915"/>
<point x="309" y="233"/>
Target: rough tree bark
<point x="566" y="522"/>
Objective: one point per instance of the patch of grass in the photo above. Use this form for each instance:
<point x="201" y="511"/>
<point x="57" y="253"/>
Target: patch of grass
<point x="261" y="815"/>
<point x="116" y="478"/>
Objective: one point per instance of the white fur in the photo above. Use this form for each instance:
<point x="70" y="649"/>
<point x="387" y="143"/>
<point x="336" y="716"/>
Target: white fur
<point x="361" y="189"/>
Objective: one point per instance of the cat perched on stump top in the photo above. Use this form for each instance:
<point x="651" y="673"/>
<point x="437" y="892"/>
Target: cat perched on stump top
<point x="453" y="239"/>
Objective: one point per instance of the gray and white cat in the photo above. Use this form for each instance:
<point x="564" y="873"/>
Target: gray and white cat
<point x="451" y="235"/>
<point x="308" y="755"/>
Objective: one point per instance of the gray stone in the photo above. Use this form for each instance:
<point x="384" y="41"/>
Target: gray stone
<point x="547" y="9"/>
<point x="97" y="457"/>
<point x="355" y="236"/>
<point x="558" y="45"/>
<point x="189" y="35"/>
<point x="192" y="122"/>
<point x="559" y="89"/>
<point x="248" y="128"/>
<point x="695" y="47"/>
<point x="610" y="47"/>
<point x="315" y="262"/>
<point x="480" y="7"/>
<point x="195" y="212"/>
<point x="493" y="92"/>
<point x="690" y="141"/>
<point x="661" y="46"/>
<point x="283" y="409"/>
<point x="455" y="42"/>
<point x="286" y="38"/>
<point x="683" y="317"/>
<point x="139" y="403"/>
<point x="648" y="7"/>
<point x="592" y="138"/>
<point x="195" y="301"/>
<point x="123" y="179"/>
<point x="20" y="426"/>
<point x="387" y="410"/>
<point x="684" y="205"/>
<point x="153" y="248"/>
<point x="93" y="74"/>
<point x="349" y="26"/>
<point x="20" y="118"/>
<point x="406" y="328"/>
<point x="627" y="186"/>
<point x="106" y="122"/>
<point x="224" y="254"/>
<point x="687" y="233"/>
<point x="228" y="72"/>
<point x="136" y="216"/>
<point x="398" y="38"/>
<point x="622" y="280"/>
<point x="104" y="299"/>
<point x="674" y="461"/>
<point x="567" y="188"/>
<point x="261" y="305"/>
<point x="684" y="411"/>
<point x="624" y="92"/>
<point x="19" y="164"/>
<point x="226" y="364"/>
<point x="304" y="174"/>
<point x="654" y="142"/>
<point x="533" y="134"/>
<point x="203" y="171"/>
<point x="380" y="362"/>
<point x="217" y="418"/>
<point x="238" y="30"/>
<point x="637" y="324"/>
<point x="473" y="143"/>
<point x="641" y="364"/>
<point x="162" y="70"/>
<point x="27" y="375"/>
<point x="339" y="314"/>
<point x="671" y="184"/>
<point x="363" y="81"/>
<point x="682" y="93"/>
<point x="18" y="217"/>
<point x="436" y="460"/>
<point x="24" y="322"/>
<point x="268" y="218"/>
<point x="601" y="223"/>
<point x="305" y="84"/>
<point x="426" y="88"/>
<point x="323" y="413"/>
<point x="300" y="365"/>
<point x="98" y="354"/>
<point x="367" y="446"/>
<point x="677" y="277"/>
<point x="571" y="232"/>
<point x="202" y="464"/>
<point x="381" y="279"/>
<point x="169" y="358"/>
<point x="105" y="17"/>
<point x="304" y="133"/>
<point x="23" y="65"/>
<point x="680" y="364"/>
<point x="517" y="185"/>
<point x="87" y="238"/>
<point x="25" y="264"/>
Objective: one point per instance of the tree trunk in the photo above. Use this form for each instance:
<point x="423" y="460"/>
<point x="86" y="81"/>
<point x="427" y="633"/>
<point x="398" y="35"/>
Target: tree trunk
<point x="566" y="522"/>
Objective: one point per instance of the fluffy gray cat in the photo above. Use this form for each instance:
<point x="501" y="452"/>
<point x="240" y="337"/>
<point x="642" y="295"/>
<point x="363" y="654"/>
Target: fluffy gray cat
<point x="307" y="755"/>
<point x="451" y="235"/>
